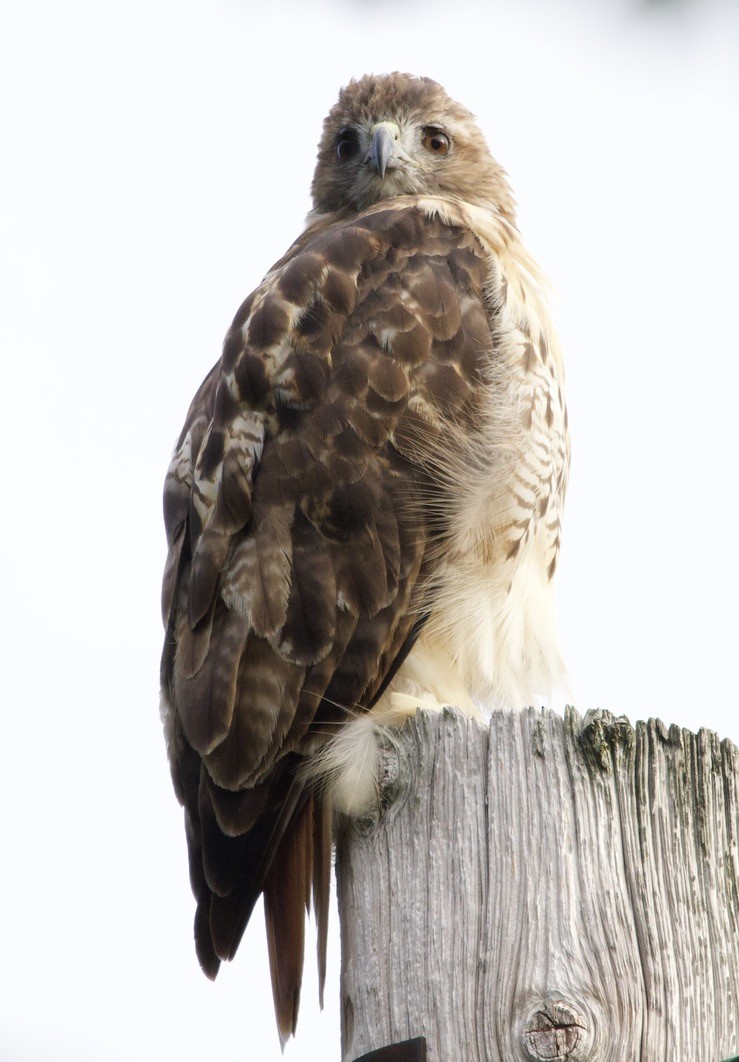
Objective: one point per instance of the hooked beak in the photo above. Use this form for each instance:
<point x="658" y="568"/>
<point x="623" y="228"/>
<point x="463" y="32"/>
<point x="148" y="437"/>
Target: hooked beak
<point x="383" y="153"/>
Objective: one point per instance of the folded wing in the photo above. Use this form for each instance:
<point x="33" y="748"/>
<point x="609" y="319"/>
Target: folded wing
<point x="301" y="507"/>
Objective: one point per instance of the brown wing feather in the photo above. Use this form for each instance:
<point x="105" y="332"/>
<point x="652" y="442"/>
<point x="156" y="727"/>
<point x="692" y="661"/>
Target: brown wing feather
<point x="298" y="549"/>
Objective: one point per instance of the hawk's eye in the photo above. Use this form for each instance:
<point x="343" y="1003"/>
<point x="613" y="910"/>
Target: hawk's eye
<point x="347" y="145"/>
<point x="435" y="141"/>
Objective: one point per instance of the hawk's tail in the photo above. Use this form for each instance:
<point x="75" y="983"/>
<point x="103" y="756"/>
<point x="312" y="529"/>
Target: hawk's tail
<point x="301" y="865"/>
<point x="290" y="851"/>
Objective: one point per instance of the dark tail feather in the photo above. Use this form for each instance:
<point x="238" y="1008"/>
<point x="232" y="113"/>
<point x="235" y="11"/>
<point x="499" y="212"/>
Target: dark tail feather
<point x="204" y="949"/>
<point x="321" y="881"/>
<point x="243" y="865"/>
<point x="286" y="854"/>
<point x="286" y="889"/>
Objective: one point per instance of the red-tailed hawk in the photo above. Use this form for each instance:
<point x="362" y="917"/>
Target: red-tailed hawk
<point x="363" y="509"/>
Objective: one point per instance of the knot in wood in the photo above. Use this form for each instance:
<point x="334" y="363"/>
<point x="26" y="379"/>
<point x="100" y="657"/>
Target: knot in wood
<point x="556" y="1030"/>
<point x="601" y="736"/>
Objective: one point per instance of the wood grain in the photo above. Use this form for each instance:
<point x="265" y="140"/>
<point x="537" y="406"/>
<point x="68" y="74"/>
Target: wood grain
<point x="545" y="888"/>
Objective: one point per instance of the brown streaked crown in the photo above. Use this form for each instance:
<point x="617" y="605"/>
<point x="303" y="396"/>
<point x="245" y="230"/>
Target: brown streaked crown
<point x="467" y="172"/>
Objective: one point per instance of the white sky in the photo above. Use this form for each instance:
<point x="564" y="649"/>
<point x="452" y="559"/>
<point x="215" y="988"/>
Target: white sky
<point x="157" y="159"/>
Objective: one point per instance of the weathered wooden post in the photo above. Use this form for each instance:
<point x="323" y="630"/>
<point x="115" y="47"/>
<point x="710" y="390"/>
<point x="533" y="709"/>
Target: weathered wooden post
<point x="545" y="888"/>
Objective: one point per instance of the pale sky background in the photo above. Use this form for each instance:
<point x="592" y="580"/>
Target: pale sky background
<point x="156" y="159"/>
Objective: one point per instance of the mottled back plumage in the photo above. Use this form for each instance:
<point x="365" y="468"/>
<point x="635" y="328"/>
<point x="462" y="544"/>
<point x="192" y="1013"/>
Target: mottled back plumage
<point x="362" y="511"/>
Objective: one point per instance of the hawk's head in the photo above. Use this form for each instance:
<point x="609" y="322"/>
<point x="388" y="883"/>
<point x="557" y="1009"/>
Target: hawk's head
<point x="402" y="135"/>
